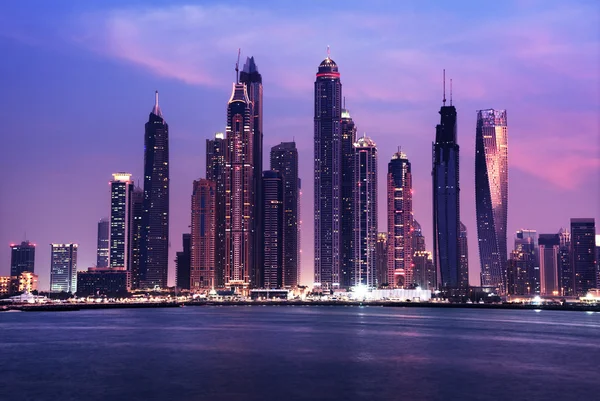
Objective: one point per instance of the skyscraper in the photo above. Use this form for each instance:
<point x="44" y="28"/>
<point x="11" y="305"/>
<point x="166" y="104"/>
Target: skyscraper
<point x="183" y="264"/>
<point x="381" y="259"/>
<point x="347" y="183"/>
<point x="215" y="172"/>
<point x="565" y="267"/>
<point x="63" y="268"/>
<point x="583" y="254"/>
<point x="400" y="217"/>
<point x="273" y="242"/>
<point x="103" y="244"/>
<point x="22" y="258"/>
<point x="155" y="218"/>
<point x="121" y="218"/>
<point x="137" y="209"/>
<point x="253" y="81"/>
<point x="418" y="239"/>
<point x="446" y="199"/>
<point x="203" y="234"/>
<point x="284" y="158"/>
<point x="548" y="254"/>
<point x="523" y="268"/>
<point x="365" y="212"/>
<point x="491" y="195"/>
<point x="327" y="194"/>
<point x="423" y="270"/>
<point x="239" y="191"/>
<point x="463" y="257"/>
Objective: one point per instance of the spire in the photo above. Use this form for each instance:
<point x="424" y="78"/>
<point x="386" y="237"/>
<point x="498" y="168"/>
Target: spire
<point x="328" y="52"/>
<point x="237" y="68"/>
<point x="444" y="80"/>
<point x="156" y="109"/>
<point x="450" y="91"/>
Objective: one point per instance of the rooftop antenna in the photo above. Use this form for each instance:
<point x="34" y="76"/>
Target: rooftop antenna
<point x="328" y="51"/>
<point x="444" y="79"/>
<point x="450" y="91"/>
<point x="237" y="68"/>
<point x="344" y="106"/>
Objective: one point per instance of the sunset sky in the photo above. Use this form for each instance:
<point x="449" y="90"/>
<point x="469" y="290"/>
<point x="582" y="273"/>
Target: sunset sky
<point x="78" y="82"/>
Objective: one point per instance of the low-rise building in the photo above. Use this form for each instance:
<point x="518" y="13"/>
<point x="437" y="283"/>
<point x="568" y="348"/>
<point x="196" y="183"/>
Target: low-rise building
<point x="110" y="282"/>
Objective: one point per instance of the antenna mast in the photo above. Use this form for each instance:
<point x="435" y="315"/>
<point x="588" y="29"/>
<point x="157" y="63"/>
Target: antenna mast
<point x="450" y="91"/>
<point x="328" y="52"/>
<point x="444" y="79"/>
<point x="237" y="68"/>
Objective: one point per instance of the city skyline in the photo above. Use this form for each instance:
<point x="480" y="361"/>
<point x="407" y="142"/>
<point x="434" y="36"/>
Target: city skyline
<point x="533" y="179"/>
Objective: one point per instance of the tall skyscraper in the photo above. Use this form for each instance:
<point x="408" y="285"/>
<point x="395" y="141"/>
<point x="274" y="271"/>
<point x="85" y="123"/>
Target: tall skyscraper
<point x="215" y="172"/>
<point x="463" y="257"/>
<point x="284" y="158"/>
<point x="491" y="195"/>
<point x="446" y="199"/>
<point x="203" y="234"/>
<point x="137" y="210"/>
<point x="239" y="191"/>
<point x="381" y="259"/>
<point x="22" y="258"/>
<point x="583" y="254"/>
<point x="183" y="264"/>
<point x="253" y="81"/>
<point x="103" y="244"/>
<point x="121" y="218"/>
<point x="548" y="254"/>
<point x="155" y="219"/>
<point x="327" y="194"/>
<point x="273" y="241"/>
<point x="63" y="268"/>
<point x="365" y="212"/>
<point x="565" y="267"/>
<point x="347" y="183"/>
<point x="400" y="217"/>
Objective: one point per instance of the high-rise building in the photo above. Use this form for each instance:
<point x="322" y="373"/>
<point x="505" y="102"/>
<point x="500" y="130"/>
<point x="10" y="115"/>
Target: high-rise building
<point x="365" y="212"/>
<point x="491" y="195"/>
<point x="418" y="239"/>
<point x="549" y="245"/>
<point x="327" y="194"/>
<point x="273" y="240"/>
<point x="347" y="183"/>
<point x="155" y="218"/>
<point x="239" y="191"/>
<point x="583" y="254"/>
<point x="523" y="267"/>
<point x="121" y="219"/>
<point x="22" y="258"/>
<point x="183" y="264"/>
<point x="565" y="267"/>
<point x="400" y="218"/>
<point x="284" y="158"/>
<point x="463" y="256"/>
<point x="253" y="81"/>
<point x="424" y="274"/>
<point x="137" y="209"/>
<point x="203" y="235"/>
<point x="446" y="199"/>
<point x="63" y="268"/>
<point x="103" y="244"/>
<point x="381" y="260"/>
<point x="597" y="260"/>
<point x="215" y="172"/>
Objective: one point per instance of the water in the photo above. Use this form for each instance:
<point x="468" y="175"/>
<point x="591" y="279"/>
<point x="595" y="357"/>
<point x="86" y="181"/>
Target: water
<point x="300" y="353"/>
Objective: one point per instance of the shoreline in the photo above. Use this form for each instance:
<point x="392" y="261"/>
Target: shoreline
<point x="85" y="306"/>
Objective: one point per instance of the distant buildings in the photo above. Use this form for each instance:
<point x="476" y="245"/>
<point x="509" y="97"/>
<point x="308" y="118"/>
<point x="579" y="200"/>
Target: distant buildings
<point x="155" y="217"/>
<point x="400" y="218"/>
<point x="491" y="195"/>
<point x="548" y="256"/>
<point x="424" y="274"/>
<point x="183" y="264"/>
<point x="22" y="258"/>
<point x="583" y="254"/>
<point x="523" y="267"/>
<point x="63" y="268"/>
<point x="565" y="267"/>
<point x="273" y="235"/>
<point x="365" y="212"/>
<point x="203" y="235"/>
<point x="103" y="242"/>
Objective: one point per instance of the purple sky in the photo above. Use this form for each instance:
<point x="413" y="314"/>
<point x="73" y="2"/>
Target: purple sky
<point x="79" y="81"/>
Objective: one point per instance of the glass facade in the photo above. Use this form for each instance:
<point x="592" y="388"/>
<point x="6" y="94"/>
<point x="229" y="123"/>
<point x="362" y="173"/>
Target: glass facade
<point x="273" y="238"/>
<point x="203" y="235"/>
<point x="583" y="255"/>
<point x="348" y="129"/>
<point x="22" y="258"/>
<point x="121" y="193"/>
<point x="215" y="172"/>
<point x="63" y="268"/>
<point x="102" y="246"/>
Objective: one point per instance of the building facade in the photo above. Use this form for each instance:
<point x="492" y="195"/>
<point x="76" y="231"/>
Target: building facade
<point x="491" y="195"/>
<point x="549" y="245"/>
<point x="137" y="210"/>
<point x="215" y="172"/>
<point x="347" y="183"/>
<point x="565" y="267"/>
<point x="365" y="212"/>
<point x="103" y="242"/>
<point x="400" y="218"/>
<point x="183" y="261"/>
<point x="381" y="260"/>
<point x="284" y="158"/>
<point x="272" y="274"/>
<point x="327" y="180"/>
<point x="111" y="282"/>
<point x="424" y="274"/>
<point x="121" y="220"/>
<point x="155" y="218"/>
<point x="203" y="235"/>
<point x="63" y="268"/>
<point x="22" y="258"/>
<point x="583" y="254"/>
<point x="463" y="256"/>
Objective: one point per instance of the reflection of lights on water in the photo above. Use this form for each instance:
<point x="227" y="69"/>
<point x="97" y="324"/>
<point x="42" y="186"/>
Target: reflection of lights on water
<point x="590" y="312"/>
<point x="537" y="310"/>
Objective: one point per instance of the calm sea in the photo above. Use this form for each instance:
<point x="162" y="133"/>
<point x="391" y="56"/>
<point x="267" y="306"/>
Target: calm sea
<point x="299" y="353"/>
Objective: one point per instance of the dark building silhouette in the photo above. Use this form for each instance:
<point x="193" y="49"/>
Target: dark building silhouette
<point x="284" y="158"/>
<point x="549" y="245"/>
<point x="463" y="257"/>
<point x="381" y="260"/>
<point x="273" y="241"/>
<point x="103" y="246"/>
<point x="565" y="267"/>
<point x="523" y="267"/>
<point x="446" y="200"/>
<point x="328" y="163"/>
<point x="183" y="263"/>
<point x="215" y="172"/>
<point x="418" y="239"/>
<point x="155" y="218"/>
<point x="22" y="258"/>
<point x="491" y="195"/>
<point x="203" y="234"/>
<point x="583" y="254"/>
<point x="111" y="282"/>
<point x="424" y="274"/>
<point x="137" y="210"/>
<point x="253" y="81"/>
<point x="348" y="132"/>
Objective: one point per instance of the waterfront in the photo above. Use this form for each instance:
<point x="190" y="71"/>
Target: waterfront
<point x="300" y="352"/>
